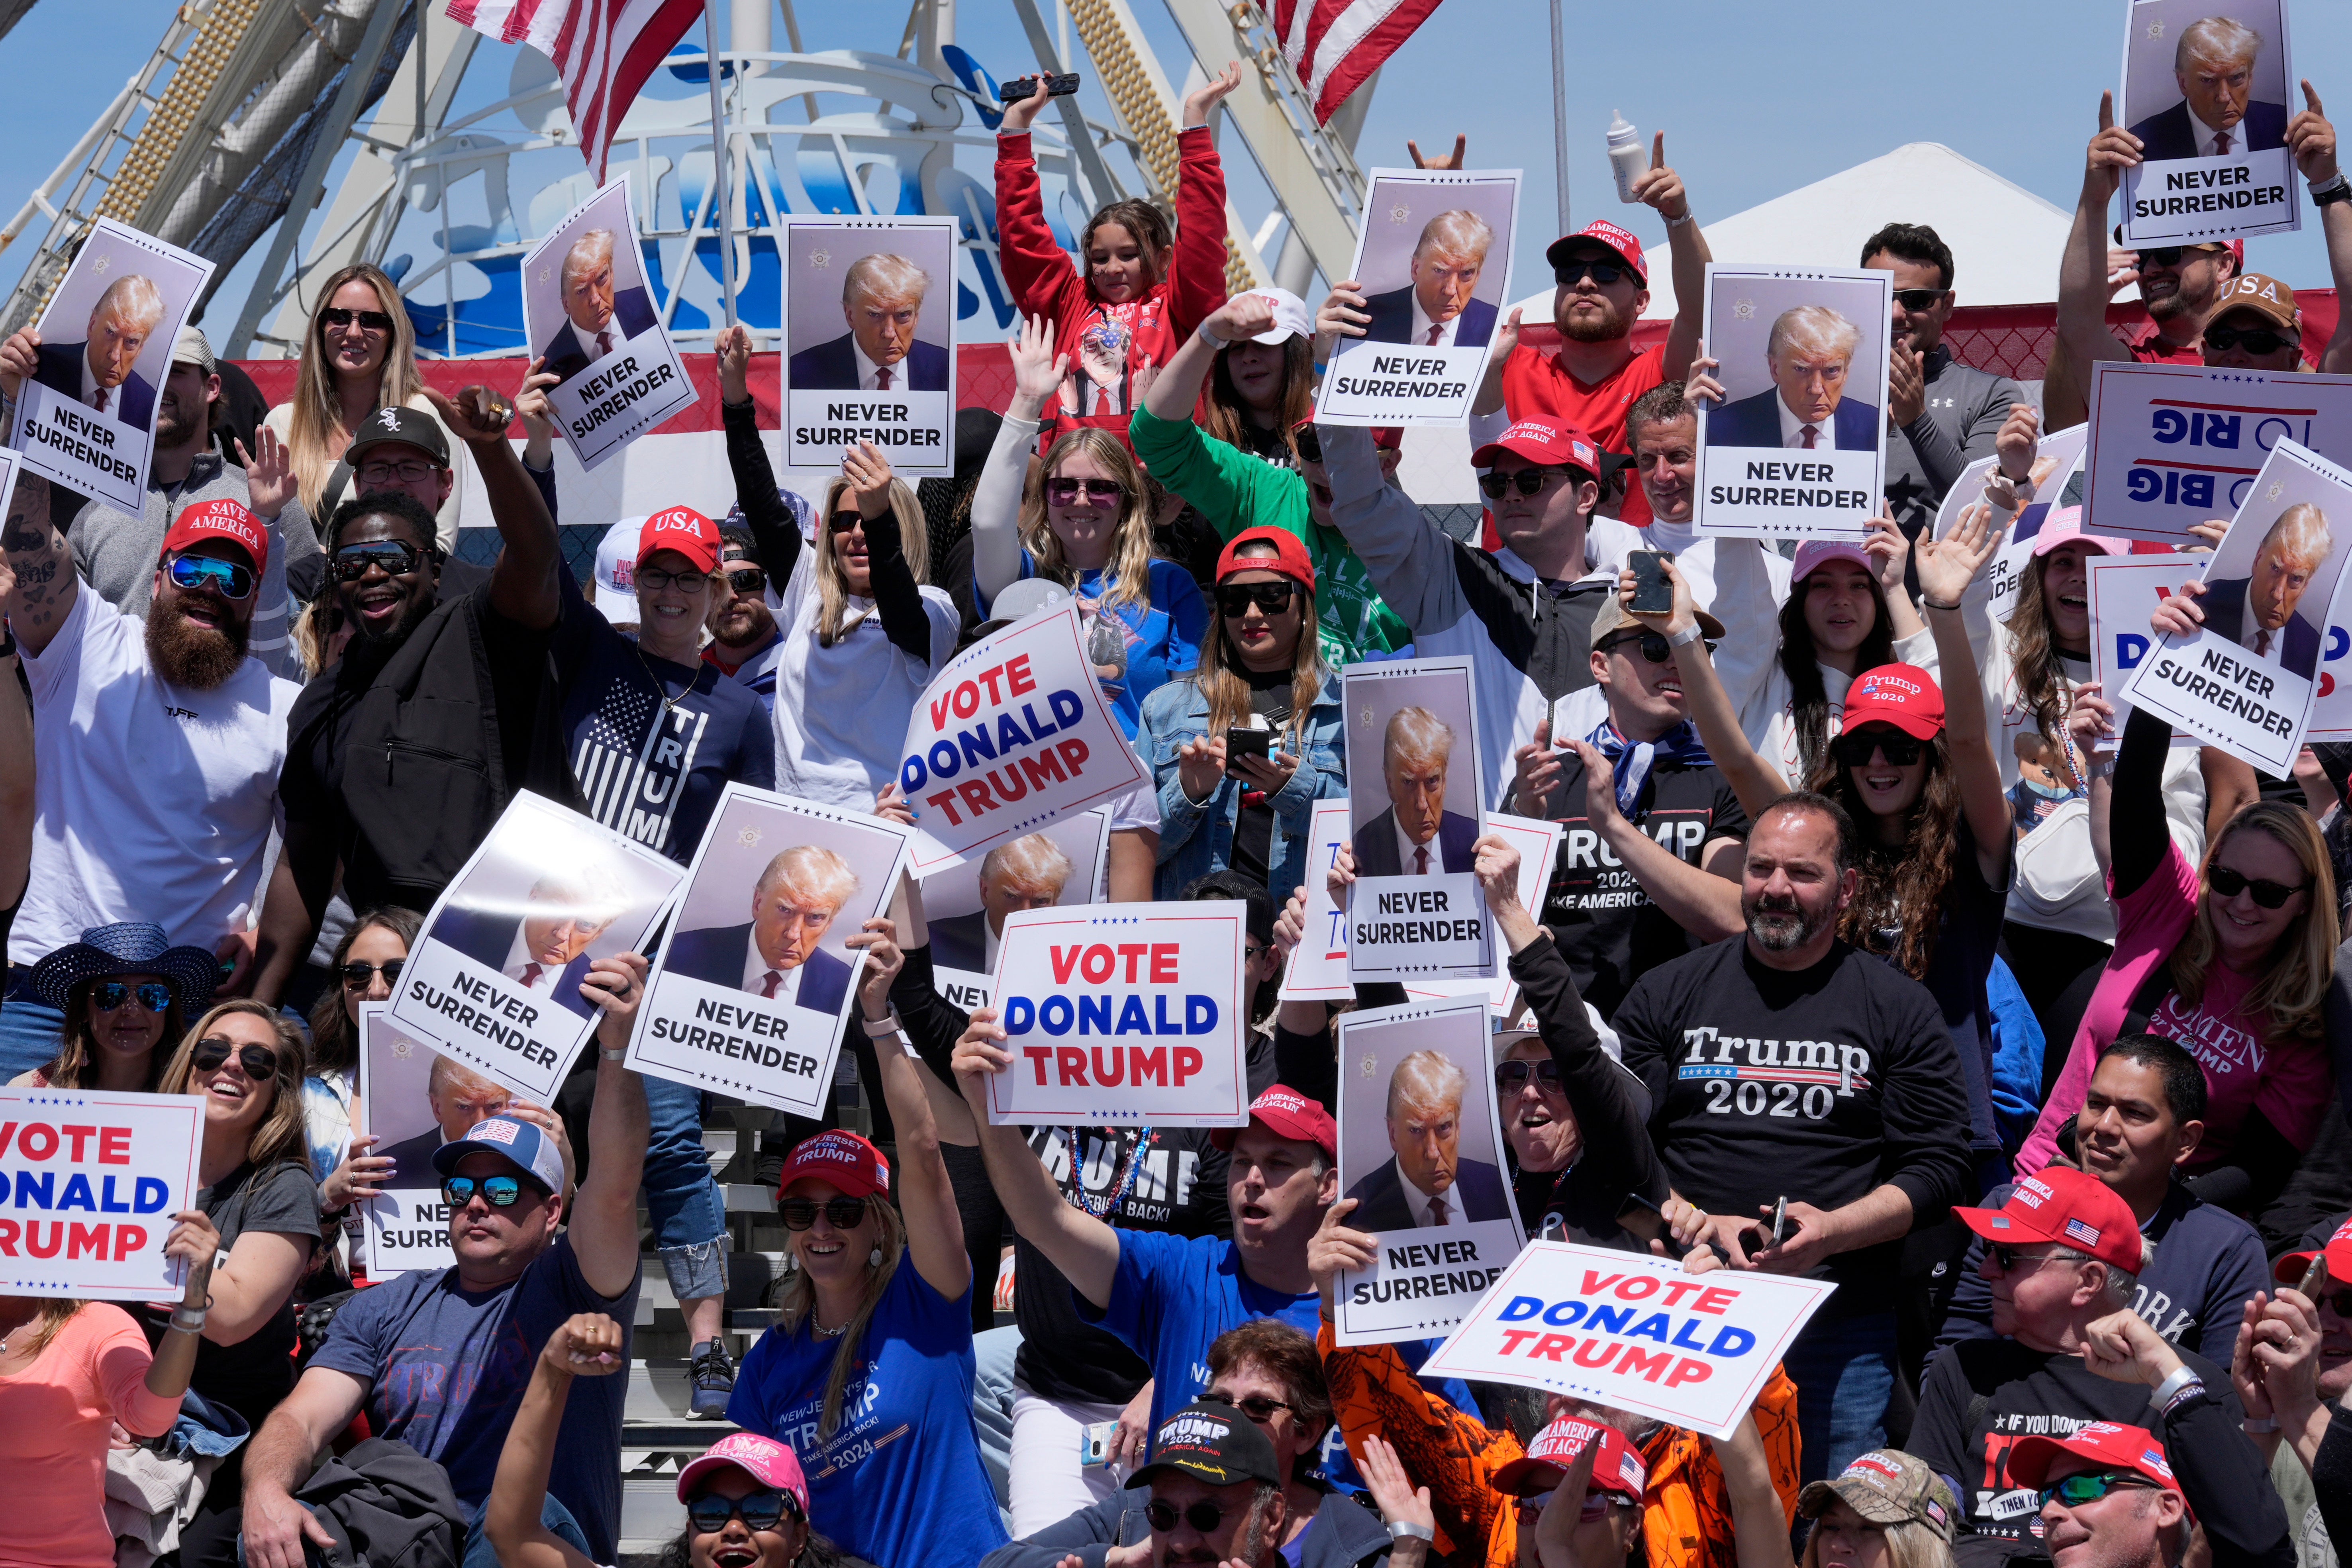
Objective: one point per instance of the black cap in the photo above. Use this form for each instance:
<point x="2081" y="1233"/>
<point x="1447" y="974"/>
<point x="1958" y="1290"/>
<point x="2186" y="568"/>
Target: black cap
<point x="1232" y="884"/>
<point x="1213" y="1443"/>
<point x="407" y="426"/>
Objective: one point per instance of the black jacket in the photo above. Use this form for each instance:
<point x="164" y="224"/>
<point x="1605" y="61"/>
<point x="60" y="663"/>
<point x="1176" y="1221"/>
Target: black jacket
<point x="1965" y="409"/>
<point x="387" y="1506"/>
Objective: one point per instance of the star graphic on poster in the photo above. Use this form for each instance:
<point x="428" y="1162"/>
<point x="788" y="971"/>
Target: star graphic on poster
<point x="1370" y="1066"/>
<point x="403" y="1049"/>
<point x="101" y="264"/>
<point x="2276" y="490"/>
<point x="819" y="260"/>
<point x="2155" y="31"/>
<point x="1745" y="310"/>
<point x="1400" y="214"/>
<point x="748" y="837"/>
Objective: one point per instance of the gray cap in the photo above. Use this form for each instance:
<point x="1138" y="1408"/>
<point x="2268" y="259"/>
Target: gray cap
<point x="191" y="347"/>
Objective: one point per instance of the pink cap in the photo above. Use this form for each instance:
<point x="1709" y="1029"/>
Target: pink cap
<point x="1814" y="552"/>
<point x="765" y="1460"/>
<point x="2065" y="526"/>
<point x="1288" y="1113"/>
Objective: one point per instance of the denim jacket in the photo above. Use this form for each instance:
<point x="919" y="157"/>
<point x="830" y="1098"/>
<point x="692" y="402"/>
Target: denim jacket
<point x="1196" y="838"/>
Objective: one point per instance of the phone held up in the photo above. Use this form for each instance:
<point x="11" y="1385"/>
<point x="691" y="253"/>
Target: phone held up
<point x="1061" y="85"/>
<point x="1654" y="594"/>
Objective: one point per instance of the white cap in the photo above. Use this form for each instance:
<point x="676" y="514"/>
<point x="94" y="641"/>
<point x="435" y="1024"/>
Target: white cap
<point x="1291" y="317"/>
<point x="617" y="571"/>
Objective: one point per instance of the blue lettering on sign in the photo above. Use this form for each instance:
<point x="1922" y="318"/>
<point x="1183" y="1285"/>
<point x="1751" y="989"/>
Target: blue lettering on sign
<point x="2197" y="427"/>
<point x="2339" y="643"/>
<point x="2169" y="486"/>
<point x="2130" y="648"/>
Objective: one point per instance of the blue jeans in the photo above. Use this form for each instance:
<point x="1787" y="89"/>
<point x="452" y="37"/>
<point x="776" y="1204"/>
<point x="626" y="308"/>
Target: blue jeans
<point x="1844" y="1368"/>
<point x="480" y="1553"/>
<point x="30" y="1032"/>
<point x="689" y="1220"/>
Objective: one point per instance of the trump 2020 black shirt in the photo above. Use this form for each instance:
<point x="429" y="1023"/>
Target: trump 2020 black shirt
<point x="1818" y="1085"/>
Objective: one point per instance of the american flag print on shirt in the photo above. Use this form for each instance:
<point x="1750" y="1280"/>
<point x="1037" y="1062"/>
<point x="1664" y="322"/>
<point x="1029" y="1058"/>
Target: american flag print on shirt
<point x="632" y="766"/>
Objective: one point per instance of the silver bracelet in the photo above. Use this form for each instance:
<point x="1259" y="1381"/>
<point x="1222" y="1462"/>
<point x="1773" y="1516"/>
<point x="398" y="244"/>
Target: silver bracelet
<point x="1678" y="222"/>
<point x="1405" y="1528"/>
<point x="612" y="1056"/>
<point x="2184" y="1380"/>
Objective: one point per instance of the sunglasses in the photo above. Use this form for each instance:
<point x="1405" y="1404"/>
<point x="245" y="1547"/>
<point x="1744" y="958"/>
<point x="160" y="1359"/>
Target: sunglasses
<point x="1530" y="1509"/>
<point x="2165" y="254"/>
<point x="1652" y="646"/>
<point x="110" y="994"/>
<point x="1066" y="492"/>
<point x="1854" y="748"/>
<point x="359" y="972"/>
<point x="373" y="320"/>
<point x="709" y="1512"/>
<point x="746" y="582"/>
<point x="229" y="579"/>
<point x="1203" y="1517"/>
<point x="662" y="582"/>
<point x="1236" y="598"/>
<point x="1257" y="1407"/>
<point x="842" y="1213"/>
<point x="1512" y="1077"/>
<point x="2229" y="884"/>
<point x="1567" y="274"/>
<point x="1309" y="444"/>
<point x="846" y="521"/>
<point x="1918" y="299"/>
<point x="498" y="1192"/>
<point x="2009" y="1258"/>
<point x="392" y="557"/>
<point x="1527" y="481"/>
<point x="2090" y="1485"/>
<point x="2337" y="1301"/>
<point x="2255" y="340"/>
<point x="258" y="1063"/>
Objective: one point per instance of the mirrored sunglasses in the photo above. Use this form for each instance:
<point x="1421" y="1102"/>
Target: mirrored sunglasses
<point x="110" y="994"/>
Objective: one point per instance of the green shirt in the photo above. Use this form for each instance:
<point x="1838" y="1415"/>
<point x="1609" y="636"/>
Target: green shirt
<point x="1237" y="492"/>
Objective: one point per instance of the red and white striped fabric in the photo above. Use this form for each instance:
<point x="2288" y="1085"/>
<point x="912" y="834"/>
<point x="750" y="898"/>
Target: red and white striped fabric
<point x="603" y="49"/>
<point x="1336" y="44"/>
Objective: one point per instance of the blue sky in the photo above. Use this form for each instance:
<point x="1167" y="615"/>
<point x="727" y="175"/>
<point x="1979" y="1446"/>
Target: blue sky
<point x="1751" y="106"/>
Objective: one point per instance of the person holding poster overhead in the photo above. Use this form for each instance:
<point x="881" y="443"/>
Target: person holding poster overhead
<point x="1809" y="351"/>
<point x="1424" y="1181"/>
<point x="1415" y="834"/>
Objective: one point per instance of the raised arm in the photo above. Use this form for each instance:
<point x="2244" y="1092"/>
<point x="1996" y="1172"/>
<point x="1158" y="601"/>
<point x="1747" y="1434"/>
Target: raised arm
<point x="603" y="1218"/>
<point x="1756" y="781"/>
<point x="16" y="764"/>
<point x="774" y="533"/>
<point x="42" y="580"/>
<point x="2311" y="140"/>
<point x="1196" y="266"/>
<point x="1694" y="897"/>
<point x="1037" y="372"/>
<point x="524" y="582"/>
<point x="1177" y="387"/>
<point x="588" y="1345"/>
<point x="1759" y="1524"/>
<point x="2083" y="265"/>
<point x="1947" y="567"/>
<point x="898" y="598"/>
<point x="927" y="1200"/>
<point x="1659" y="187"/>
<point x="1037" y="270"/>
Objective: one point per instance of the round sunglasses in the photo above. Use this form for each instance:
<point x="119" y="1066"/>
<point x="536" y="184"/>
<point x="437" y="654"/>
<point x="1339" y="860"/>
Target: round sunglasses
<point x="109" y="996"/>
<point x="258" y="1063"/>
<point x="1652" y="646"/>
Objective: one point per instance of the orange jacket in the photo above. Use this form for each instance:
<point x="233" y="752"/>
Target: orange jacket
<point x="1686" y="1516"/>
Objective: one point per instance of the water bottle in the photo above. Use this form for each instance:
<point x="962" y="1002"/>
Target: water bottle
<point x="1626" y="160"/>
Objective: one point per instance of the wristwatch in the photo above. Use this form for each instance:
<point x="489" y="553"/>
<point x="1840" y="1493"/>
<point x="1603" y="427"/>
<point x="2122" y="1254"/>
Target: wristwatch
<point x="2338" y="189"/>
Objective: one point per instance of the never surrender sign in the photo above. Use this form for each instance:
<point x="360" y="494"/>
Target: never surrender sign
<point x="89" y="1184"/>
<point x="2173" y="444"/>
<point x="869" y="339"/>
<point x="1133" y="1018"/>
<point x="588" y="315"/>
<point x="1010" y="735"/>
<point x="1631" y="1332"/>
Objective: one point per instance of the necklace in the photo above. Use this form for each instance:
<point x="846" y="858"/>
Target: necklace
<point x="661" y="689"/>
<point x="1144" y="1137"/>
<point x="820" y="1330"/>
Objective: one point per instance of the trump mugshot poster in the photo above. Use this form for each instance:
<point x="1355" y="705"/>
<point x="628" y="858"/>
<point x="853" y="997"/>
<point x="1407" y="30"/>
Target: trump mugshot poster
<point x="2208" y="90"/>
<point x="1420" y="1153"/>
<point x="1631" y="1332"/>
<point x="494" y="979"/>
<point x="92" y="1180"/>
<point x="1434" y="260"/>
<point x="869" y="339"/>
<point x="85" y="419"/>
<point x="2173" y="444"/>
<point x="588" y="314"/>
<point x="2246" y="680"/>
<point x="757" y="978"/>
<point x="1124" y="1014"/>
<point x="1064" y="863"/>
<point x="1012" y="735"/>
<point x="1797" y="449"/>
<point x="1416" y="911"/>
<point x="411" y="1099"/>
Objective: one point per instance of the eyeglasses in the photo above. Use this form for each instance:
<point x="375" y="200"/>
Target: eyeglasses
<point x="392" y="557"/>
<point x="359" y="972"/>
<point x="1530" y="1509"/>
<point x="409" y="472"/>
<point x="1512" y="1077"/>
<point x="2090" y="1485"/>
<point x="1066" y="492"/>
<point x="1567" y="274"/>
<point x="1257" y="1406"/>
<point x="842" y="1213"/>
<point x="2229" y="884"/>
<point x="372" y="320"/>
<point x="258" y="1063"/>
<point x="1918" y="299"/>
<point x="2009" y="1259"/>
<point x="229" y="579"/>
<point x="110" y="994"/>
<point x="1309" y="444"/>
<point x="2254" y="339"/>
<point x="498" y="1192"/>
<point x="1652" y="646"/>
<point x="662" y="582"/>
<point x="846" y="521"/>
<point x="1202" y="1516"/>
<point x="1854" y="748"/>
<point x="709" y="1512"/>
<point x="1527" y="481"/>
<point x="1236" y="598"/>
<point x="746" y="582"/>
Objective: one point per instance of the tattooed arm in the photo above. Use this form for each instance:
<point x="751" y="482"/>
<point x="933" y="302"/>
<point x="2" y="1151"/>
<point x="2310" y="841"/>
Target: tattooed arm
<point x="42" y="563"/>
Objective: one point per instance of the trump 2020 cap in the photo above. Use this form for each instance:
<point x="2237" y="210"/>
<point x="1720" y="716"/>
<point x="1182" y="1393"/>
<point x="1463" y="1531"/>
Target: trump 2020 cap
<point x="1615" y="1468"/>
<point x="518" y="1140"/>
<point x="1287" y="1115"/>
<point x="2071" y="1208"/>
<point x="684" y="529"/>
<point x="1902" y="695"/>
<point x="1213" y="1443"/>
<point x="219" y="518"/>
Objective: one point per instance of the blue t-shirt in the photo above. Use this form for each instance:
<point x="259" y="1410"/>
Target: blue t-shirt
<point x="1163" y="638"/>
<point x="648" y="769"/>
<point x="900" y="1483"/>
<point x="446" y="1367"/>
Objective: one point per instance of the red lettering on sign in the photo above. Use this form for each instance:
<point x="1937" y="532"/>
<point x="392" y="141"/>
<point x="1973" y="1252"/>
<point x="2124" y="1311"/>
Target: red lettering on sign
<point x="114" y="1146"/>
<point x="1074" y="755"/>
<point x="89" y="1238"/>
<point x="1608" y="1349"/>
<point x="989" y="677"/>
<point x="1017" y="680"/>
<point x="1110" y="1074"/>
<point x="1713" y="1299"/>
<point x="1688" y="1370"/>
<point x="128" y="1239"/>
<point x="1677" y="1289"/>
<point x="1596" y="1283"/>
<point x="8" y="1238"/>
<point x="1065" y="959"/>
<point x="1163" y="963"/>
<point x="1549" y="1347"/>
<point x="965" y="699"/>
<point x="1188" y="1062"/>
<point x="944" y="801"/>
<point x="1511" y="1337"/>
<point x="1094" y="973"/>
<point x="80" y="1136"/>
<point x="38" y="1141"/>
<point x="1639" y="1363"/>
<point x="1151" y="1065"/>
<point x="975" y="796"/>
<point x="1637" y="1288"/>
<point x="1071" y="1063"/>
<point x="1042" y="768"/>
<point x="1039" y="1056"/>
<point x="1131" y="950"/>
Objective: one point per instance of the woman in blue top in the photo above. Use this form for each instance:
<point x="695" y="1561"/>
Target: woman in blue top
<point x="1082" y="517"/>
<point x="868" y="1373"/>
<point x="1260" y="669"/>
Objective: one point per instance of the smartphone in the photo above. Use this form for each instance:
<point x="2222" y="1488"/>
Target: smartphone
<point x="1020" y="87"/>
<point x="1780" y="1229"/>
<point x="1094" y="1443"/>
<point x="2314" y="1279"/>
<point x="1240" y="742"/>
<point x="1653" y="594"/>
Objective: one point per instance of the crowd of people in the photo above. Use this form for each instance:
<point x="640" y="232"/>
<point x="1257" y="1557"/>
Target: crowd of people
<point x="2083" y="1182"/>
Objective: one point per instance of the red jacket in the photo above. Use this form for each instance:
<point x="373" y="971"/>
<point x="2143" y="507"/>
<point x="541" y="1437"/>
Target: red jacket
<point x="1045" y="283"/>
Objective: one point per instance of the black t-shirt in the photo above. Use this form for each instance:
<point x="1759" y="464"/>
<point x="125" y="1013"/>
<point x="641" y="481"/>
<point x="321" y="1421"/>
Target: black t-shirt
<point x="1270" y="695"/>
<point x="253" y="1374"/>
<point x="1607" y="927"/>
<point x="1817" y="1085"/>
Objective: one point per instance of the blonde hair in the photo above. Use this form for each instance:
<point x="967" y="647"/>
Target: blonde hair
<point x="1128" y="577"/>
<point x="883" y="276"/>
<point x="1815" y="327"/>
<point x="133" y="299"/>
<point x="280" y="1135"/>
<point x="832" y="589"/>
<point x="1460" y="235"/>
<point x="48" y="1320"/>
<point x="1035" y="865"/>
<point x="315" y="434"/>
<point x="1426" y="1080"/>
<point x="1415" y="734"/>
<point x="797" y="1301"/>
<point x="591" y="247"/>
<point x="2302" y="535"/>
<point x="2293" y="987"/>
<point x="812" y="872"/>
<point x="1909" y="1545"/>
<point x="1228" y="694"/>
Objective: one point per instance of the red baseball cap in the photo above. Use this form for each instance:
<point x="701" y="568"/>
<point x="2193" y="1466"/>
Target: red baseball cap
<point x="1615" y="1468"/>
<point x="220" y="518"/>
<point x="1388" y="437"/>
<point x="1542" y="441"/>
<point x="684" y="529"/>
<point x="1628" y="248"/>
<point x="771" y="1464"/>
<point x="844" y="1159"/>
<point x="2071" y="1208"/>
<point x="1287" y="1115"/>
<point x="1289" y="556"/>
<point x="1902" y="695"/>
<point x="2289" y="1268"/>
<point x="2107" y="1443"/>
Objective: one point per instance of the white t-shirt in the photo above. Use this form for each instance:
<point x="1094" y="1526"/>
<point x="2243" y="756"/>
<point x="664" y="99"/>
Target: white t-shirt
<point x="842" y="712"/>
<point x="152" y="802"/>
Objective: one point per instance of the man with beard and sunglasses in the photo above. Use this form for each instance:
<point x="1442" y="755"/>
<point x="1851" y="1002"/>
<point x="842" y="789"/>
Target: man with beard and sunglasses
<point x="1784" y="1063"/>
<point x="745" y="642"/>
<point x="157" y="749"/>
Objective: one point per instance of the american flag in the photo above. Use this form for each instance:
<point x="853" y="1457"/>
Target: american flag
<point x="2082" y="1231"/>
<point x="1336" y="44"/>
<point x="604" y="51"/>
